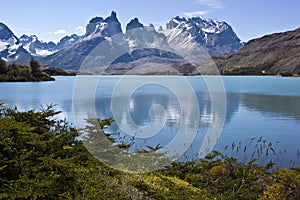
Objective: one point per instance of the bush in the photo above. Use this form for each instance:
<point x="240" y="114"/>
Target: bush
<point x="41" y="158"/>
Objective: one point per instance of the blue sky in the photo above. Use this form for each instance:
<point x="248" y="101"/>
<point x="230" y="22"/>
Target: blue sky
<point x="51" y="20"/>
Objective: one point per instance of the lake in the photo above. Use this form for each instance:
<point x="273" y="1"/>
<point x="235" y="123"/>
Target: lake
<point x="154" y="112"/>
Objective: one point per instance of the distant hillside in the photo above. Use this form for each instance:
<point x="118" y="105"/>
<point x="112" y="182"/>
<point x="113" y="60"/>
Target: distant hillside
<point x="51" y="71"/>
<point x="276" y="54"/>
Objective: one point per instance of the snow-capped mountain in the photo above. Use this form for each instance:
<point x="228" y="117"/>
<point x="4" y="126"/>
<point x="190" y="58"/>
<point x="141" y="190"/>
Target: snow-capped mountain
<point x="141" y="41"/>
<point x="36" y="47"/>
<point x="215" y="36"/>
<point x="39" y="48"/>
<point x="138" y="41"/>
<point x="134" y="43"/>
<point x="10" y="47"/>
<point x="67" y="41"/>
<point x="97" y="31"/>
<point x="22" y="49"/>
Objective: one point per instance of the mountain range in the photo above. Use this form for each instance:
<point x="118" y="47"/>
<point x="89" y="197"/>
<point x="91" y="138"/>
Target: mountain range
<point x="145" y="49"/>
<point x="14" y="49"/>
<point x="138" y="42"/>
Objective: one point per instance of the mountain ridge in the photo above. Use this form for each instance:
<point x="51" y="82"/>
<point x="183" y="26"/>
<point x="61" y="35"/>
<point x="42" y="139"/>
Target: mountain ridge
<point x="138" y="35"/>
<point x="99" y="29"/>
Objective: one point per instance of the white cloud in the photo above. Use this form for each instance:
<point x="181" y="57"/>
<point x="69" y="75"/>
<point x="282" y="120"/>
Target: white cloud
<point x="80" y="29"/>
<point x="213" y="4"/>
<point x="23" y="29"/>
<point x="209" y="5"/>
<point x="196" y="13"/>
<point x="60" y="31"/>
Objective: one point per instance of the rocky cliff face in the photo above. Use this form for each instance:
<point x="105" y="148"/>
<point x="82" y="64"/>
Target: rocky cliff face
<point x="107" y="27"/>
<point x="215" y="36"/>
<point x="97" y="31"/>
<point x="67" y="41"/>
<point x="133" y="24"/>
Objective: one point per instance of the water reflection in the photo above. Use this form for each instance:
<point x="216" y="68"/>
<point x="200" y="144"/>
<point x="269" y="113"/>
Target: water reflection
<point x="247" y="116"/>
<point x="175" y="118"/>
<point x="277" y="106"/>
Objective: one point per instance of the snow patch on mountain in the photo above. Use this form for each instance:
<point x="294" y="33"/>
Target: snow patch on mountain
<point x="100" y="27"/>
<point x="217" y="37"/>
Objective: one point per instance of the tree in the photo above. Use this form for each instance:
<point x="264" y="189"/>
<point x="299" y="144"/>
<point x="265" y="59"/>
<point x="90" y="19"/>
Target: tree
<point x="3" y="67"/>
<point x="35" y="68"/>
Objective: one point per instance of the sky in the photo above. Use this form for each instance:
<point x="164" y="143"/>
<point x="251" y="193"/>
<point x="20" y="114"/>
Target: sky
<point x="50" y="20"/>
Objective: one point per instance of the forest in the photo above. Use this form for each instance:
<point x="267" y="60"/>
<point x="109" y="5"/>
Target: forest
<point x="23" y="73"/>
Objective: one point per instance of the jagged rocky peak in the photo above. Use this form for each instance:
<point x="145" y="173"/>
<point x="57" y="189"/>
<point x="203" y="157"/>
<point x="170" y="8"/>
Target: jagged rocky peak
<point x="216" y="36"/>
<point x="133" y="24"/>
<point x="96" y="20"/>
<point x="91" y="26"/>
<point x="112" y="17"/>
<point x="209" y="25"/>
<point x="24" y="37"/>
<point x="174" y="22"/>
<point x="107" y="27"/>
<point x="198" y="23"/>
<point x="112" y="27"/>
<point x="151" y="27"/>
<point x="67" y="41"/>
<point x="34" y="37"/>
<point x="72" y="37"/>
<point x="6" y="34"/>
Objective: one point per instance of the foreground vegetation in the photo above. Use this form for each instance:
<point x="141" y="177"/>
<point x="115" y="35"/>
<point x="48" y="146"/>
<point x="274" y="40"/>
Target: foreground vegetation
<point x="41" y="158"/>
<point x="23" y="73"/>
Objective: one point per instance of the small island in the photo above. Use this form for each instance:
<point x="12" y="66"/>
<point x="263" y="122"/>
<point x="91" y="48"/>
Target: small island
<point x="23" y="73"/>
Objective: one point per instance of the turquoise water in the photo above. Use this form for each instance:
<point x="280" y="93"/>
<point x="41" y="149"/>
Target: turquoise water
<point x="255" y="107"/>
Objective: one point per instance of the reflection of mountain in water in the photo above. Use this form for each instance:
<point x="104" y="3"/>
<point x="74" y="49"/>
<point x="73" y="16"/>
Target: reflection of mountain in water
<point x="288" y="106"/>
<point x="174" y="117"/>
<point x="139" y="107"/>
